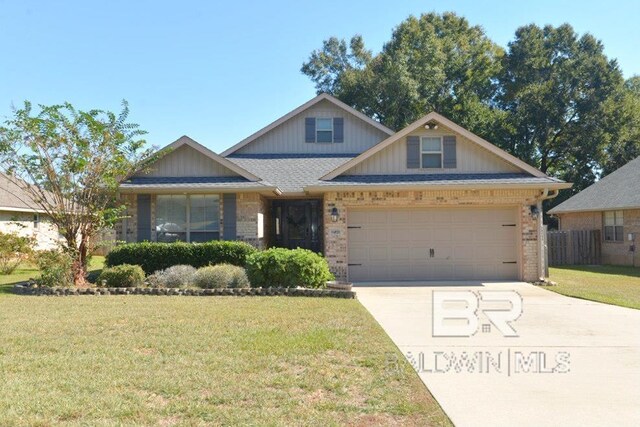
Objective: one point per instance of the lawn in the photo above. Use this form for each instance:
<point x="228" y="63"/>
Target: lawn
<point x="607" y="283"/>
<point x="27" y="271"/>
<point x="145" y="360"/>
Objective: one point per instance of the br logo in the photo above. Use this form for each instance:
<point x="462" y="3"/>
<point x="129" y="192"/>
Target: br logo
<point x="458" y="313"/>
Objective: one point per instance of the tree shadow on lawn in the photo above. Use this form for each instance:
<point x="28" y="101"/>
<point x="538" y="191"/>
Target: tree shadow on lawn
<point x="618" y="270"/>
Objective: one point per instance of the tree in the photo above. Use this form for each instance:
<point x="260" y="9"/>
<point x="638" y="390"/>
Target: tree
<point x="558" y="90"/>
<point x="434" y="62"/>
<point x="625" y="127"/>
<point x="70" y="163"/>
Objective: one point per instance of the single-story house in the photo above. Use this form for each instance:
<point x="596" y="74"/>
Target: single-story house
<point x="432" y="201"/>
<point x="20" y="215"/>
<point x="611" y="205"/>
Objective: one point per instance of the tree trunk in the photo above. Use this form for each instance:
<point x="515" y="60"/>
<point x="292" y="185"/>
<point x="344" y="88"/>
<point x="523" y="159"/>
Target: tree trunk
<point x="80" y="263"/>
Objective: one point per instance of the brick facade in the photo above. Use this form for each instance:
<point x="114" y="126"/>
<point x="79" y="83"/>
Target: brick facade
<point x="249" y="205"/>
<point x="336" y="236"/>
<point x="616" y="253"/>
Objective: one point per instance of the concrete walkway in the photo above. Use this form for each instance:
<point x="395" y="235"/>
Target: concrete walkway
<point x="594" y="349"/>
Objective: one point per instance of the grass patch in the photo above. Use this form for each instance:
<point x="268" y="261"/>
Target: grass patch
<point x="603" y="283"/>
<point x="113" y="360"/>
<point x="27" y="271"/>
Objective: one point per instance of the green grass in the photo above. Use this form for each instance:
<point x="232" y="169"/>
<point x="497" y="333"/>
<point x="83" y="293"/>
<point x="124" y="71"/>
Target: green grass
<point x="28" y="271"/>
<point x="607" y="283"/>
<point x="144" y="360"/>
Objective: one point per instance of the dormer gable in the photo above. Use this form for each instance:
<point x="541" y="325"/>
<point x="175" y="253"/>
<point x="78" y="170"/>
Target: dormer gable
<point x="323" y="125"/>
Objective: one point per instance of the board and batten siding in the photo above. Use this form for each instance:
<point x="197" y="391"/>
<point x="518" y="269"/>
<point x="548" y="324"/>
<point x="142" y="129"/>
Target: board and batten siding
<point x="185" y="161"/>
<point x="289" y="137"/>
<point x="470" y="158"/>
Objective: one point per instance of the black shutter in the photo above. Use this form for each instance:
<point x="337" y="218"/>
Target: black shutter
<point x="449" y="152"/>
<point x="310" y="129"/>
<point x="144" y="217"/>
<point x="229" y="216"/>
<point x="338" y="129"/>
<point x="413" y="152"/>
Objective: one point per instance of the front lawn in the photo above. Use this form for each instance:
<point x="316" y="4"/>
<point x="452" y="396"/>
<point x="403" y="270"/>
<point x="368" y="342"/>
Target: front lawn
<point x="607" y="283"/>
<point x="112" y="360"/>
<point x="27" y="271"/>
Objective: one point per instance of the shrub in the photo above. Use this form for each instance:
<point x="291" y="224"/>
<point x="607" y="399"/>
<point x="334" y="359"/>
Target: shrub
<point x="122" y="276"/>
<point x="14" y="249"/>
<point x="55" y="268"/>
<point x="153" y="257"/>
<point x="178" y="276"/>
<point x="221" y="276"/>
<point x="288" y="268"/>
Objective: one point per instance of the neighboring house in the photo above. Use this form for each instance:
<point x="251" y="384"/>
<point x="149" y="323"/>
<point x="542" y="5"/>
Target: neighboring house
<point x="611" y="205"/>
<point x="20" y="215"/>
<point x="430" y="202"/>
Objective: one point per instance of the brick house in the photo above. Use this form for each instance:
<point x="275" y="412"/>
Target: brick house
<point x="430" y="202"/>
<point x="611" y="205"/>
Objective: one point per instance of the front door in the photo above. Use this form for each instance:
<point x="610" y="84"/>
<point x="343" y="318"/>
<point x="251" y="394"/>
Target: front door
<point x="297" y="224"/>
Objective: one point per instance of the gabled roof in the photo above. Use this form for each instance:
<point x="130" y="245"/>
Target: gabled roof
<point x="185" y="140"/>
<point x="618" y="190"/>
<point x="14" y="197"/>
<point x="434" y="117"/>
<point x="308" y="104"/>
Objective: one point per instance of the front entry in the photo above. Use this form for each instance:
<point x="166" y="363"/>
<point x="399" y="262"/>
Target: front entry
<point x="297" y="224"/>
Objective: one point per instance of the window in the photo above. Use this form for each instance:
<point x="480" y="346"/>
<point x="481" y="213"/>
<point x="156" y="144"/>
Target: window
<point x="204" y="221"/>
<point x="613" y="230"/>
<point x="171" y="218"/>
<point x="193" y="218"/>
<point x="431" y="152"/>
<point x="36" y="221"/>
<point x="324" y="130"/>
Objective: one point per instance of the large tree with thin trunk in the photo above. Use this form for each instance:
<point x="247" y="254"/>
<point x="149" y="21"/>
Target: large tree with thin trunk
<point x="559" y="91"/>
<point x="432" y="62"/>
<point x="69" y="163"/>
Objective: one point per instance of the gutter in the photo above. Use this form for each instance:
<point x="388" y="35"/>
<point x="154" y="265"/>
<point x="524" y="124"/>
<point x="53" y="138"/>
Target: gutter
<point x="435" y="187"/>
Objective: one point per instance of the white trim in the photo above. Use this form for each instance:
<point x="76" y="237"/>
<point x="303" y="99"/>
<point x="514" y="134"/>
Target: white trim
<point x="300" y="109"/>
<point x="434" y="187"/>
<point x="433" y="116"/>
<point x="29" y="210"/>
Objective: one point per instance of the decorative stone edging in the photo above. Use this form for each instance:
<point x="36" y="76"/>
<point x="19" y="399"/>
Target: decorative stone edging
<point x="294" y="292"/>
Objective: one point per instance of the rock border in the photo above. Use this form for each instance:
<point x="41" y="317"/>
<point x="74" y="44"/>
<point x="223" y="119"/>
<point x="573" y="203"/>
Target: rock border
<point x="293" y="292"/>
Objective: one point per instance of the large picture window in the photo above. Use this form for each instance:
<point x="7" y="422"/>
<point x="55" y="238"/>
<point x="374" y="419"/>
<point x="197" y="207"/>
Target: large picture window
<point x="192" y="218"/>
<point x="613" y="226"/>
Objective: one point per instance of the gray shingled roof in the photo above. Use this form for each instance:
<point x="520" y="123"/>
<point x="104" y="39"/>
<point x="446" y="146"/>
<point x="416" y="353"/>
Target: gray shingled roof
<point x="437" y="179"/>
<point x="14" y="197"/>
<point x="197" y="182"/>
<point x="618" y="190"/>
<point x="290" y="172"/>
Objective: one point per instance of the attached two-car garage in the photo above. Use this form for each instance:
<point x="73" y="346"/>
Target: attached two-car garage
<point x="433" y="244"/>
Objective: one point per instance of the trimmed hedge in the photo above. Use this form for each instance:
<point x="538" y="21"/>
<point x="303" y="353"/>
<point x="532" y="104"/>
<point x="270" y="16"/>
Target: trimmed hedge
<point x="221" y="276"/>
<point x="278" y="267"/>
<point x="159" y="256"/>
<point x="122" y="276"/>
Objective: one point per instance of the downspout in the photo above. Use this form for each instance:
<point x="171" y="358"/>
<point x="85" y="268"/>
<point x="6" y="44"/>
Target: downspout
<point x="541" y="237"/>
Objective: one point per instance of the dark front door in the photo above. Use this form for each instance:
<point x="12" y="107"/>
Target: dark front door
<point x="297" y="224"/>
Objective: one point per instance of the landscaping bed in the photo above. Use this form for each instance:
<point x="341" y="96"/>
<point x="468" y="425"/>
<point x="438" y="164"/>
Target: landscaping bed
<point x="25" y="289"/>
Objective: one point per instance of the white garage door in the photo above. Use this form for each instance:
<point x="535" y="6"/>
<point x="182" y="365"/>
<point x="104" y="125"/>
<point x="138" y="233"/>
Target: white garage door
<point x="433" y="244"/>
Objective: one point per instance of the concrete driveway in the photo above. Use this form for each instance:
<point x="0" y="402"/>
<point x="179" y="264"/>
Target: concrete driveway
<point x="573" y="362"/>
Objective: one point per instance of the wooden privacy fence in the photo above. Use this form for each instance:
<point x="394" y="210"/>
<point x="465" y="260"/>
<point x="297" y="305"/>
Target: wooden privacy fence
<point x="573" y="247"/>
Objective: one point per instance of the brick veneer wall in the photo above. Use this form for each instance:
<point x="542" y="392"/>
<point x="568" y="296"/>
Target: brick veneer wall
<point x="247" y="209"/>
<point x="335" y="233"/>
<point x="616" y="253"/>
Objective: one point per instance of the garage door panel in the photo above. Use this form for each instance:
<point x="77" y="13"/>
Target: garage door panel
<point x="468" y="243"/>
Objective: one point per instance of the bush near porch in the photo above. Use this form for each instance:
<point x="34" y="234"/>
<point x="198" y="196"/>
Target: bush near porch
<point x="153" y="257"/>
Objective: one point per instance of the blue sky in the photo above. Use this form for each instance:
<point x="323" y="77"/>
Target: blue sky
<point x="219" y="71"/>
